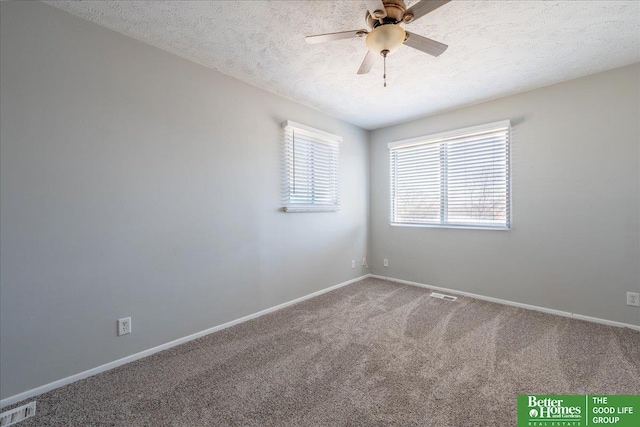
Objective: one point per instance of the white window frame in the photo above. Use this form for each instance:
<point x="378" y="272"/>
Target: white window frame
<point x="306" y="200"/>
<point x="443" y="137"/>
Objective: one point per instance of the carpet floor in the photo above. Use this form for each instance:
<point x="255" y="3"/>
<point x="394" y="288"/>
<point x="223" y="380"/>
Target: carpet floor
<point x="374" y="353"/>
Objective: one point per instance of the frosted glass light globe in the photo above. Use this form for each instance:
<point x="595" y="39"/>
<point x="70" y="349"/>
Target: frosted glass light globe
<point x="385" y="37"/>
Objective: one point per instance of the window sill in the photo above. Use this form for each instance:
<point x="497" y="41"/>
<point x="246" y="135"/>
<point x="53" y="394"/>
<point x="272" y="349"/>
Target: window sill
<point x="297" y="209"/>
<point x="464" y="227"/>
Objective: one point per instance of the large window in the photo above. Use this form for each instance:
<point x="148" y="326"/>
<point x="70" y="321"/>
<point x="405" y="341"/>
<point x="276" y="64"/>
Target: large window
<point x="453" y="179"/>
<point x="310" y="169"/>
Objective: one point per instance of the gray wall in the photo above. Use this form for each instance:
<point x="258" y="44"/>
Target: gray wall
<point x="136" y="183"/>
<point x="574" y="245"/>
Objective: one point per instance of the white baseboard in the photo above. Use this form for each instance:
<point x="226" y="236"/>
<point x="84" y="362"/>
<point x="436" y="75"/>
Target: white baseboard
<point x="512" y="303"/>
<point x="88" y="373"/>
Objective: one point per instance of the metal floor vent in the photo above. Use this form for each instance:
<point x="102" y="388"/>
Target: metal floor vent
<point x="16" y="415"/>
<point x="442" y="296"/>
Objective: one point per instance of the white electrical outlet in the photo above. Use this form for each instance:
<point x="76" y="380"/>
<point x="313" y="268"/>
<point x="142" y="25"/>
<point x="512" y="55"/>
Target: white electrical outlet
<point x="633" y="298"/>
<point x="385" y="262"/>
<point x="364" y="262"/>
<point x="124" y="326"/>
<point x="353" y="263"/>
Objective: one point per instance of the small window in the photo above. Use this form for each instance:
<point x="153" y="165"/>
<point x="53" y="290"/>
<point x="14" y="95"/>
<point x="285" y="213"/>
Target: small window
<point x="453" y="179"/>
<point x="311" y="169"/>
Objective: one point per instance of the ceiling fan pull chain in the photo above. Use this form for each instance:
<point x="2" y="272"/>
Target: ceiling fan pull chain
<point x="384" y="62"/>
<point x="384" y="76"/>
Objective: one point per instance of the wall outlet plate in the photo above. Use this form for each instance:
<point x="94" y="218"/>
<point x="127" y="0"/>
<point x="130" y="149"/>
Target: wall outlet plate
<point x="633" y="298"/>
<point x="124" y="326"/>
<point x="353" y="263"/>
<point x="385" y="262"/>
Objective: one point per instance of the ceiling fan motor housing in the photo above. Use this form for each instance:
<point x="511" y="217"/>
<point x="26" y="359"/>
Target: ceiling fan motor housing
<point x="395" y="14"/>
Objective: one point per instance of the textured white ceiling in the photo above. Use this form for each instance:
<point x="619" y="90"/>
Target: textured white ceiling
<point x="496" y="48"/>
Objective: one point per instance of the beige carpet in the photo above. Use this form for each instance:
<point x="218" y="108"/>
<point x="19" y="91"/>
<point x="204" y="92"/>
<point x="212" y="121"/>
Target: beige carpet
<point x="374" y="353"/>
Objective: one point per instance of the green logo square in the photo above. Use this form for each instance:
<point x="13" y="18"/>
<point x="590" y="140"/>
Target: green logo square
<point x="578" y="410"/>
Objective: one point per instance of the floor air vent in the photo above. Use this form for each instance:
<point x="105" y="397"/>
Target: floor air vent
<point x="16" y="415"/>
<point x="442" y="296"/>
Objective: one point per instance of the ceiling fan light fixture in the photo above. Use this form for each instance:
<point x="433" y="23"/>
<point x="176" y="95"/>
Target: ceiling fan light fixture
<point x="386" y="37"/>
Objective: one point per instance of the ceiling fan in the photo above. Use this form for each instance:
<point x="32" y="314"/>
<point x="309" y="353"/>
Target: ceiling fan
<point x="386" y="36"/>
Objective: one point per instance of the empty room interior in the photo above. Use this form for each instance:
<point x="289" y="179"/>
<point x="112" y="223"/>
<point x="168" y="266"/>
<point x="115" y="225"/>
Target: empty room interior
<point x="320" y="213"/>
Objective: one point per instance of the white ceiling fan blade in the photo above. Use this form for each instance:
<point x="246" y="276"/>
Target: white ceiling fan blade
<point x="367" y="63"/>
<point x="376" y="6"/>
<point x="423" y="7"/>
<point x="321" y="38"/>
<point x="425" y="44"/>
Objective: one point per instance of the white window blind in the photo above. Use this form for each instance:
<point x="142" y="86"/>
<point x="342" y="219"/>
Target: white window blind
<point x="311" y="159"/>
<point x="453" y="179"/>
